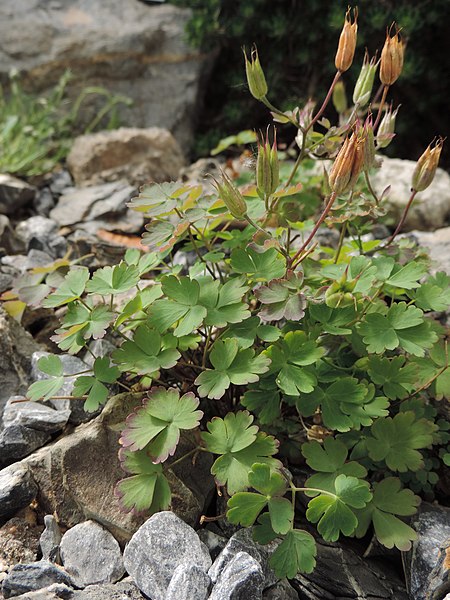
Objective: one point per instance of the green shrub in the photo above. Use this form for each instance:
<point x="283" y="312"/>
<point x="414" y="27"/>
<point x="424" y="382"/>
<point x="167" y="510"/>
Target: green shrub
<point x="36" y="133"/>
<point x="272" y="349"/>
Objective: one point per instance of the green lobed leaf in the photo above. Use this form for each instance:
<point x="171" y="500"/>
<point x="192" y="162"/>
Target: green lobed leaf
<point x="332" y="513"/>
<point x="397" y="441"/>
<point x="144" y="354"/>
<point x="231" y="365"/>
<point x="388" y="501"/>
<point x="147" y="489"/>
<point x="258" y="266"/>
<point x="156" y="425"/>
<point x="71" y="289"/>
<point x="296" y="553"/>
<point x="113" y="280"/>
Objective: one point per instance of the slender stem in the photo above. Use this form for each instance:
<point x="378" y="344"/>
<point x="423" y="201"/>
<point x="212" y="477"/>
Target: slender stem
<point x="197" y="252"/>
<point x="341" y="242"/>
<point x="369" y="185"/>
<point x="187" y="455"/>
<point x="84" y="304"/>
<point x="277" y="111"/>
<point x="205" y="350"/>
<point x="255" y="225"/>
<point x="325" y="102"/>
<point x="309" y="489"/>
<point x="380" y="108"/>
<point x="402" y="220"/>
<point x="79" y="373"/>
<point x="295" y="260"/>
<point x="122" y="385"/>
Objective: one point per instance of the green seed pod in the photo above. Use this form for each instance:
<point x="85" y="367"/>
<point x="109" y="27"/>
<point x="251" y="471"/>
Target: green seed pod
<point x="386" y="128"/>
<point x="232" y="197"/>
<point x="255" y="75"/>
<point x="267" y="168"/>
<point x="364" y="83"/>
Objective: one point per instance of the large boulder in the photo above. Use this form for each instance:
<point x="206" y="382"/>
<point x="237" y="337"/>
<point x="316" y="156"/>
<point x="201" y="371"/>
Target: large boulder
<point x="136" y="155"/>
<point x="430" y="209"/>
<point x="76" y="476"/>
<point x="129" y="47"/>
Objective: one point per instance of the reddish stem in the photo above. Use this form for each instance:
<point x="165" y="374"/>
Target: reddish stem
<point x="402" y="220"/>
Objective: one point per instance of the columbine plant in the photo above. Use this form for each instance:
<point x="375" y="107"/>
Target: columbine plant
<point x="297" y="352"/>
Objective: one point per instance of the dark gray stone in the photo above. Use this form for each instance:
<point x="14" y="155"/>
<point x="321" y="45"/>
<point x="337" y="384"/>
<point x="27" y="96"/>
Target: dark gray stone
<point x="242" y="541"/>
<point x="6" y="282"/>
<point x="432" y="523"/>
<point x="241" y="579"/>
<point x="23" y="578"/>
<point x="17" y="441"/>
<point x="14" y="193"/>
<point x="17" y="489"/>
<point x="61" y="180"/>
<point x="34" y="415"/>
<point x="123" y="590"/>
<point x="439" y="579"/>
<point x="188" y="583"/>
<point x="91" y="555"/>
<point x="44" y="202"/>
<point x="8" y="241"/>
<point x="341" y="574"/>
<point x="41" y="233"/>
<point x="56" y="591"/>
<point x="282" y="590"/>
<point x="16" y="348"/>
<point x="50" y="539"/>
<point x="159" y="546"/>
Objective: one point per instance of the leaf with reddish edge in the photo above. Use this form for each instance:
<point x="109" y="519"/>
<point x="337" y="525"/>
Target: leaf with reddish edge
<point x="156" y="425"/>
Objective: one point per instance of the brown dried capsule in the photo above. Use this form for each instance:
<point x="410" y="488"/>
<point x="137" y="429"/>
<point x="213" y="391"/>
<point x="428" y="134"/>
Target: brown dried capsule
<point x="348" y="164"/>
<point x="347" y="42"/>
<point x="426" y="166"/>
<point x="392" y="56"/>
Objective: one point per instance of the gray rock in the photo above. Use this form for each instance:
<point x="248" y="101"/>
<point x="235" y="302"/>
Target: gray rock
<point x="23" y="578"/>
<point x="17" y="441"/>
<point x="93" y="202"/>
<point x="159" y="546"/>
<point x="282" y="590"/>
<point x="50" y="539"/>
<point x="34" y="415"/>
<point x="41" y="233"/>
<point x="91" y="555"/>
<point x="242" y="541"/>
<point x="60" y="181"/>
<point x="44" y="202"/>
<point x="16" y="349"/>
<point x="438" y="245"/>
<point x="188" y="582"/>
<point x="241" y="579"/>
<point x="8" y="240"/>
<point x="17" y="489"/>
<point x="214" y="542"/>
<point x="430" y="209"/>
<point x="14" y="193"/>
<point x="56" y="591"/>
<point x="131" y="48"/>
<point x="123" y="590"/>
<point x="439" y="579"/>
<point x="136" y="155"/>
<point x="432" y="524"/>
<point x="341" y="573"/>
<point x="6" y="282"/>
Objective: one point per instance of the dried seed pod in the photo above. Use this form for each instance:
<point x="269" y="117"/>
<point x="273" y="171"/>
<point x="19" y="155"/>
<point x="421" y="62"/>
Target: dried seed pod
<point x="426" y="166"/>
<point x="392" y="56"/>
<point x="347" y="42"/>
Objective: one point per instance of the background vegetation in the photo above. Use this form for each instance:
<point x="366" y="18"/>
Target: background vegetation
<point x="297" y="42"/>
